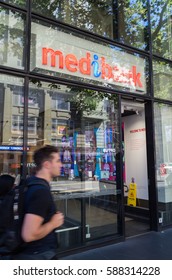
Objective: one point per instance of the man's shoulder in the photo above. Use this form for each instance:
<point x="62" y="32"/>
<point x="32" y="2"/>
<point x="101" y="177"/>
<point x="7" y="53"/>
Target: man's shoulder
<point x="37" y="187"/>
<point x="37" y="182"/>
<point x="37" y="192"/>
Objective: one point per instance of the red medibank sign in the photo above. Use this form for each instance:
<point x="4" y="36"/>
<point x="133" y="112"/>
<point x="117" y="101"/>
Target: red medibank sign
<point x="58" y="52"/>
<point x="93" y="66"/>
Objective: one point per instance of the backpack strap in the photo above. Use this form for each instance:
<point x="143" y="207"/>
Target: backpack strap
<point x="20" y="190"/>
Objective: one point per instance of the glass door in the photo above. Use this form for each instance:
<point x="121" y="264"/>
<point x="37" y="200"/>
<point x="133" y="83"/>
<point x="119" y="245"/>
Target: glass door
<point x="135" y="177"/>
<point x="84" y="125"/>
<point x="102" y="144"/>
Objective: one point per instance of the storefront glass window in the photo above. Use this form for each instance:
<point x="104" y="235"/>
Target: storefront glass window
<point x="161" y="24"/>
<point x="74" y="57"/>
<point x="11" y="126"/>
<point x="95" y="16"/>
<point x="83" y="124"/>
<point x="131" y="23"/>
<point x="19" y="3"/>
<point x="162" y="79"/>
<point x="163" y="138"/>
<point x="12" y="38"/>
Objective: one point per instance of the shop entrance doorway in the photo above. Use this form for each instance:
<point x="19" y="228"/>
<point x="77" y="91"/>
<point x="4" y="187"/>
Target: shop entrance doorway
<point x="135" y="178"/>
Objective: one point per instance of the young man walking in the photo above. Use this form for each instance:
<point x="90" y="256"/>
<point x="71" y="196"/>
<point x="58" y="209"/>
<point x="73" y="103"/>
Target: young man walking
<point x="41" y="218"/>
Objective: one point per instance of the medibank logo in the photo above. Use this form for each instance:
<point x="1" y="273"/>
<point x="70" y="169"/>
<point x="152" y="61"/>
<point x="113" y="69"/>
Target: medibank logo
<point x="91" y="65"/>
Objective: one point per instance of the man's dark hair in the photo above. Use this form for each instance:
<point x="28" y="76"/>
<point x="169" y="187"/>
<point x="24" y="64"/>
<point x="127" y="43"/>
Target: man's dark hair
<point x="43" y="154"/>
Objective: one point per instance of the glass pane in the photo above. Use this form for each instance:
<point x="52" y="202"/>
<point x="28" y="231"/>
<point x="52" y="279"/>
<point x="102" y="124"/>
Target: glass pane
<point x="19" y="3"/>
<point x="161" y="23"/>
<point x="12" y="38"/>
<point x="83" y="124"/>
<point x="11" y="126"/>
<point x="163" y="138"/>
<point x="95" y="16"/>
<point x="162" y="79"/>
<point x="101" y="207"/>
<point x="131" y="23"/>
<point x="75" y="57"/>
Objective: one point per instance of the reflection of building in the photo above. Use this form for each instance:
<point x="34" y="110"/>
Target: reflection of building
<point x="51" y="119"/>
<point x="45" y="110"/>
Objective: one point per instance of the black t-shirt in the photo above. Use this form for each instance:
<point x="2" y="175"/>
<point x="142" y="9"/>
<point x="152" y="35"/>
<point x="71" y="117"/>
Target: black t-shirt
<point x="39" y="201"/>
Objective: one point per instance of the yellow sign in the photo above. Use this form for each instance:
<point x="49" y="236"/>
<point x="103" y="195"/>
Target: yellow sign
<point x="131" y="201"/>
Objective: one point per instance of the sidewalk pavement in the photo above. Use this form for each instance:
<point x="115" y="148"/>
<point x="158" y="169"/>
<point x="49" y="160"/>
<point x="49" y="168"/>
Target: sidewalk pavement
<point x="148" y="246"/>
